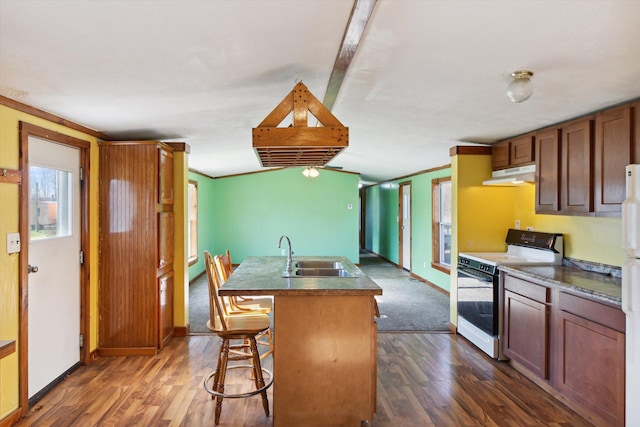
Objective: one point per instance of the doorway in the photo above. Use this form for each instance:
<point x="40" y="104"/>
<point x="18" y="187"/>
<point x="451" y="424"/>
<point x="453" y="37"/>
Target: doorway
<point x="404" y="223"/>
<point x="53" y="229"/>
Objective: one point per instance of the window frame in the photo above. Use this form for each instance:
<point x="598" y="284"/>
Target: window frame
<point x="192" y="236"/>
<point x="436" y="222"/>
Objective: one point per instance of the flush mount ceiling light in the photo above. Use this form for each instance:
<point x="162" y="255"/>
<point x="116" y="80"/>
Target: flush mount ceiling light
<point x="521" y="88"/>
<point x="310" y="172"/>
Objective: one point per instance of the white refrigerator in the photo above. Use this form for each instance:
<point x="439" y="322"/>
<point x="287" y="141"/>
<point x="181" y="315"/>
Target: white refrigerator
<point x="631" y="291"/>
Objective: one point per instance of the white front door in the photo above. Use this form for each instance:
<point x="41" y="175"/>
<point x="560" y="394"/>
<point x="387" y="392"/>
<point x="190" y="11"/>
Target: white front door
<point x="54" y="264"/>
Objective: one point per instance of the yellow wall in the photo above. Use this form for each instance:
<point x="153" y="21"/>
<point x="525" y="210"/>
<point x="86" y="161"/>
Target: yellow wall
<point x="9" y="285"/>
<point x="586" y="238"/>
<point x="181" y="265"/>
<point x="481" y="214"/>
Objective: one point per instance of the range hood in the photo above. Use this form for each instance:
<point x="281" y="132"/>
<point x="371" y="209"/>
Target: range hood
<point x="512" y="176"/>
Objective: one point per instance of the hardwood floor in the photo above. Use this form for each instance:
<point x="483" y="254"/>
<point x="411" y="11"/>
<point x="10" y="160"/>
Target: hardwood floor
<point x="423" y="379"/>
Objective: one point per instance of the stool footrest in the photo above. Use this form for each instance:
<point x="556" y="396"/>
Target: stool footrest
<point x="238" y="395"/>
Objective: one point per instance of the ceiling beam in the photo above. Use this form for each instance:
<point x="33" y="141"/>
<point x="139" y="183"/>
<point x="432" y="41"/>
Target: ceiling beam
<point x="358" y="20"/>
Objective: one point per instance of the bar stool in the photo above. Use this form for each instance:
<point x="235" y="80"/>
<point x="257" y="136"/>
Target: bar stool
<point x="232" y="307"/>
<point x="243" y="327"/>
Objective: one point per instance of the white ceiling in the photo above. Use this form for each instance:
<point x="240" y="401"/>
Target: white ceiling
<point x="428" y="75"/>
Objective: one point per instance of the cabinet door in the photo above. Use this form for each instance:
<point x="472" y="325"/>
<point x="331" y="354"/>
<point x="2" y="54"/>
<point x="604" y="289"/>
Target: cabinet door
<point x="165" y="309"/>
<point x="165" y="242"/>
<point x="590" y="362"/>
<point x="500" y="155"/>
<point x="526" y="333"/>
<point x="635" y="110"/>
<point x="522" y="151"/>
<point x="613" y="147"/>
<point x="548" y="171"/>
<point x="577" y="167"/>
<point x="165" y="177"/>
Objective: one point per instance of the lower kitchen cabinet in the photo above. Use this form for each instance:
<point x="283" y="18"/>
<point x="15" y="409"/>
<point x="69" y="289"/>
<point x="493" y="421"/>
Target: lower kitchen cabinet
<point x="590" y="356"/>
<point x="526" y="326"/>
<point x="572" y="346"/>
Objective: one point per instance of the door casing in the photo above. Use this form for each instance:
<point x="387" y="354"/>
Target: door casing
<point x="27" y="130"/>
<point x="404" y="186"/>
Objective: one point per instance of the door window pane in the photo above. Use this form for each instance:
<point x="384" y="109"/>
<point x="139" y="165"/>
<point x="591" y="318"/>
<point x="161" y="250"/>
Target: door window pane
<point x="50" y="210"/>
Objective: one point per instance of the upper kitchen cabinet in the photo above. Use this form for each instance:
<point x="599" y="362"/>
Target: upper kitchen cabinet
<point x="613" y="151"/>
<point x="580" y="164"/>
<point x="135" y="242"/>
<point x="500" y="155"/>
<point x="576" y="182"/>
<point x="514" y="152"/>
<point x="548" y="170"/>
<point x="636" y="132"/>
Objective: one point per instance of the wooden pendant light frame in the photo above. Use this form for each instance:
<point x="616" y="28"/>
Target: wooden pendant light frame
<point x="299" y="144"/>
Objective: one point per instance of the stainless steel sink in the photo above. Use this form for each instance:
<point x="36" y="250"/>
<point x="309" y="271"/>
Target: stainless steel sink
<point x="319" y="264"/>
<point x="319" y="268"/>
<point x="323" y="272"/>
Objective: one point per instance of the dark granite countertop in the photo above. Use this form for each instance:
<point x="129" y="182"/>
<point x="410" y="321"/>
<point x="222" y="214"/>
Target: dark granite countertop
<point x="261" y="276"/>
<point x="602" y="287"/>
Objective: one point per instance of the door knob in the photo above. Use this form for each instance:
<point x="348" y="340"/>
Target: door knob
<point x="32" y="268"/>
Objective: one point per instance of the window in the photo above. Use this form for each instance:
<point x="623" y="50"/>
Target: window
<point x="193" y="222"/>
<point x="441" y="224"/>
<point x="51" y="203"/>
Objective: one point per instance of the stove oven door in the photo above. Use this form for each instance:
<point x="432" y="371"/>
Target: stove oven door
<point x="478" y="299"/>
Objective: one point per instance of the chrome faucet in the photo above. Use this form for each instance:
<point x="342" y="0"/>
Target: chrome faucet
<point x="289" y="267"/>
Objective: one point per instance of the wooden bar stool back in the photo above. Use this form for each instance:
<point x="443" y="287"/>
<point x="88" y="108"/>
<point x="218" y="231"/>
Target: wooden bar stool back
<point x="225" y="269"/>
<point x="244" y="328"/>
<point x="231" y="308"/>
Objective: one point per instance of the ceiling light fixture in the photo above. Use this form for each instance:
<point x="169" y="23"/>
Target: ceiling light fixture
<point x="310" y="172"/>
<point x="521" y="88"/>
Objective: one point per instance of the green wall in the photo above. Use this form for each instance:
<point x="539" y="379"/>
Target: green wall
<point x="247" y="214"/>
<point x="206" y="205"/>
<point x="381" y="223"/>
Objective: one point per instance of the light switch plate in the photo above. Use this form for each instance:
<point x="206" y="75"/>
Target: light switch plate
<point x="13" y="243"/>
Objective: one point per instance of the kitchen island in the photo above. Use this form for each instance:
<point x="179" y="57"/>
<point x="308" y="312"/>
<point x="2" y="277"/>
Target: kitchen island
<point x="325" y="341"/>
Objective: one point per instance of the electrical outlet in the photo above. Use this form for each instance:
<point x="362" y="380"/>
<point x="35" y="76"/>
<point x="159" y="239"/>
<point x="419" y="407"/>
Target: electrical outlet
<point x="517" y="224"/>
<point x="13" y="243"/>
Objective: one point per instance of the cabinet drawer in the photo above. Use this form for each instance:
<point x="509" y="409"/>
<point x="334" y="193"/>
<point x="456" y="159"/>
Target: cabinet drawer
<point x="527" y="289"/>
<point x="594" y="311"/>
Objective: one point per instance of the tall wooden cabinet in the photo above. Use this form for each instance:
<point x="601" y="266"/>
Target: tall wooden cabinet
<point x="136" y="224"/>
